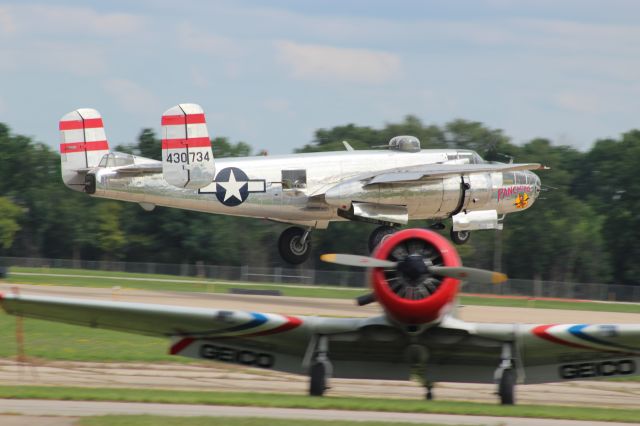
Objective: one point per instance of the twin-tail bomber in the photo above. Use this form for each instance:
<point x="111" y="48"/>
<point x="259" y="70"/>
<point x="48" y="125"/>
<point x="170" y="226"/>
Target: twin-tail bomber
<point x="309" y="190"/>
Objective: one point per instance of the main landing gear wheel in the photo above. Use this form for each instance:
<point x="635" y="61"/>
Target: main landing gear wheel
<point x="460" y="237"/>
<point x="318" y="376"/>
<point x="506" y="387"/>
<point x="294" y="245"/>
<point x="379" y="235"/>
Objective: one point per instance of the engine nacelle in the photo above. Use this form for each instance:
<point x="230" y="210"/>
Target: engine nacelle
<point x="409" y="293"/>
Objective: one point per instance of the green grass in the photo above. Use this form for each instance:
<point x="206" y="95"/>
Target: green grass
<point x="96" y="279"/>
<point x="552" y="304"/>
<point x="298" y="401"/>
<point x="56" y="341"/>
<point x="146" y="420"/>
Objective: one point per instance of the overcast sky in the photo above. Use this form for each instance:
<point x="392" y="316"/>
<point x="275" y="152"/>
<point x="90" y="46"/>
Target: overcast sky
<point x="270" y="73"/>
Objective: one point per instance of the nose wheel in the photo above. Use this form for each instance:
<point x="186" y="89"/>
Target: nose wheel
<point x="460" y="237"/>
<point x="379" y="235"/>
<point x="294" y="245"/>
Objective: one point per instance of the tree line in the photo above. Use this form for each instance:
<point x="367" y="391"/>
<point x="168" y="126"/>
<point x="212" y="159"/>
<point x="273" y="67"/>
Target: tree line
<point x="583" y="228"/>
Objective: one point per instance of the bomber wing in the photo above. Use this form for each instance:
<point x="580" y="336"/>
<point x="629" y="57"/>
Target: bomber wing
<point x="427" y="171"/>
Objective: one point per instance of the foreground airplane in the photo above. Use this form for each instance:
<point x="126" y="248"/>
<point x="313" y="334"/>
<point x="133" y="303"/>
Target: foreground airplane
<point x="385" y="187"/>
<point x="415" y="277"/>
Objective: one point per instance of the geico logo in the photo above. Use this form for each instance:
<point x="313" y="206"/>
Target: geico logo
<point x="238" y="356"/>
<point x="597" y="369"/>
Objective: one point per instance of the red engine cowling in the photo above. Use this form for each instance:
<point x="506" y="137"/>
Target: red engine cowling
<point x="409" y="293"/>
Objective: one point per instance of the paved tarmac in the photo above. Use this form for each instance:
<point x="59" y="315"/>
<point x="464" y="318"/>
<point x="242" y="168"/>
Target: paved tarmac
<point x="317" y="306"/>
<point x="93" y="408"/>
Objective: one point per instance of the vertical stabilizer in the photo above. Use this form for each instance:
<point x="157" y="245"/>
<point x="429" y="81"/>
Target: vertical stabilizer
<point x="83" y="143"/>
<point x="187" y="159"/>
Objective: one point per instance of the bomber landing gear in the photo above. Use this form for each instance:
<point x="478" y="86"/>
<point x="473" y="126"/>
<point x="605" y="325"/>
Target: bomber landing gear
<point x="460" y="237"/>
<point x="294" y="245"/>
<point x="379" y="235"/>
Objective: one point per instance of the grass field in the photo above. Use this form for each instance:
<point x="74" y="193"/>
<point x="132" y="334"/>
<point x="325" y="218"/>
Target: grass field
<point x="56" y="341"/>
<point x="103" y="279"/>
<point x="338" y="403"/>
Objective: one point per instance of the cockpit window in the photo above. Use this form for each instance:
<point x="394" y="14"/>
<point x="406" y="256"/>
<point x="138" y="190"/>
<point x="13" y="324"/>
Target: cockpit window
<point x="116" y="159"/>
<point x="470" y="157"/>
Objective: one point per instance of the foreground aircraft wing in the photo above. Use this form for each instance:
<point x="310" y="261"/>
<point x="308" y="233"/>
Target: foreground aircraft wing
<point x="280" y="342"/>
<point x="540" y="353"/>
<point x="427" y="171"/>
<point x="454" y="351"/>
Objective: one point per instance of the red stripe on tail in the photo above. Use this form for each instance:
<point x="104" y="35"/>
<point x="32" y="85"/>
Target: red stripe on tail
<point x="202" y="142"/>
<point x="169" y="120"/>
<point x="67" y="148"/>
<point x="88" y="123"/>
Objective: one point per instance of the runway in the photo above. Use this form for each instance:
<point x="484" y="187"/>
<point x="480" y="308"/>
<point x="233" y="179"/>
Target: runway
<point x="317" y="306"/>
<point x="94" y="408"/>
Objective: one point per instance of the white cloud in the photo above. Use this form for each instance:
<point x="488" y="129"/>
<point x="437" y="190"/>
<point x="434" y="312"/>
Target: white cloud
<point x="132" y="97"/>
<point x="578" y="102"/>
<point x="206" y="43"/>
<point x="7" y="21"/>
<point x="279" y="106"/>
<point x="82" y="21"/>
<point x="318" y="62"/>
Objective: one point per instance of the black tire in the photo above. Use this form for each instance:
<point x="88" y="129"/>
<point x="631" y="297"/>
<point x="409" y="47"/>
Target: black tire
<point x="460" y="237"/>
<point x="506" y="388"/>
<point x="378" y="235"/>
<point x="318" y="379"/>
<point x="290" y="248"/>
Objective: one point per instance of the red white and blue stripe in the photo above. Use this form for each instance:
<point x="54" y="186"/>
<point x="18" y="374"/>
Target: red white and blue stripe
<point x="257" y="325"/>
<point x="584" y="336"/>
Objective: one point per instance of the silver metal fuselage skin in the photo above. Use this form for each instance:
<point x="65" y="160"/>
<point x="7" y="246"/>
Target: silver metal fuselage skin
<point x="435" y="198"/>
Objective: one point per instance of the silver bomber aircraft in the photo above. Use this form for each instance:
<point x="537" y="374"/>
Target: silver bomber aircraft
<point x="384" y="187"/>
<point x="415" y="277"/>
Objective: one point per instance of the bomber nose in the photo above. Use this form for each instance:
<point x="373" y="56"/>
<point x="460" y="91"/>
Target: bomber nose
<point x="536" y="183"/>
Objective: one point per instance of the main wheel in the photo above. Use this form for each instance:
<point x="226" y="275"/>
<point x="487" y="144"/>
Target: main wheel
<point x="379" y="234"/>
<point x="291" y="248"/>
<point x="460" y="237"/>
<point x="506" y="388"/>
<point x="318" y="382"/>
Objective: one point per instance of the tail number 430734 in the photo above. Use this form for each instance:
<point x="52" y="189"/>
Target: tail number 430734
<point x="185" y="157"/>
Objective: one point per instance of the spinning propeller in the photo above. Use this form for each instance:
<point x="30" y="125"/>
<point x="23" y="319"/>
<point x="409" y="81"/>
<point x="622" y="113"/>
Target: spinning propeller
<point x="414" y="269"/>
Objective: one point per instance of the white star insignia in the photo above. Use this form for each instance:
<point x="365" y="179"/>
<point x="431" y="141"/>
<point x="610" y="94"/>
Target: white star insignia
<point x="232" y="187"/>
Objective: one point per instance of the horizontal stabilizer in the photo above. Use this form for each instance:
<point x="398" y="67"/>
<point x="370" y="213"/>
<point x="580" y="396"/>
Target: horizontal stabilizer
<point x="83" y="143"/>
<point x="187" y="159"/>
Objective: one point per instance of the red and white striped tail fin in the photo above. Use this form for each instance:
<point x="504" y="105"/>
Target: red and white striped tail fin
<point x="187" y="159"/>
<point x="83" y="143"/>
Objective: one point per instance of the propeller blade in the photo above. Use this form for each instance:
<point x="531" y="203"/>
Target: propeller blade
<point x="365" y="299"/>
<point x="355" y="260"/>
<point x="469" y="274"/>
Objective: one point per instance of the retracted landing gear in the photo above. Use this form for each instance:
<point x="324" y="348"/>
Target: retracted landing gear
<point x="321" y="369"/>
<point x="506" y="376"/>
<point x="294" y="245"/>
<point x="379" y="235"/>
<point x="460" y="237"/>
